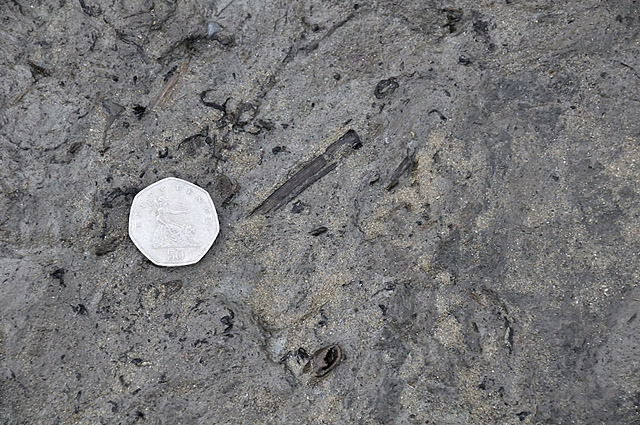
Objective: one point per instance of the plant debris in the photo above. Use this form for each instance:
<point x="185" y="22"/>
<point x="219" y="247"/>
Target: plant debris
<point x="318" y="231"/>
<point x="405" y="167"/>
<point x="323" y="361"/>
<point x="310" y="173"/>
<point x="386" y="88"/>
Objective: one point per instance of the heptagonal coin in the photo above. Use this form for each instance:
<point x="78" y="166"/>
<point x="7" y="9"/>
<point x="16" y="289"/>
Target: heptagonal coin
<point x="173" y="222"/>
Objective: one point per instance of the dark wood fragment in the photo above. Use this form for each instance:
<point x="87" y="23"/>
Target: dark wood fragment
<point x="318" y="231"/>
<point x="310" y="173"/>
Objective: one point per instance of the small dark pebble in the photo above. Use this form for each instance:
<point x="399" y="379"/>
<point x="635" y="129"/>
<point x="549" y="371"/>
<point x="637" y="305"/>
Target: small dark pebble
<point x="523" y="415"/>
<point x="385" y="88"/>
<point x="383" y="308"/>
<point x="336" y="76"/>
<point x="323" y="361"/>
<point x="463" y="60"/>
<point x="276" y="149"/>
<point x="318" y="231"/>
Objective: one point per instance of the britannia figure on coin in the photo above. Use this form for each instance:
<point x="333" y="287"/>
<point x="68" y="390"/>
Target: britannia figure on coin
<point x="170" y="233"/>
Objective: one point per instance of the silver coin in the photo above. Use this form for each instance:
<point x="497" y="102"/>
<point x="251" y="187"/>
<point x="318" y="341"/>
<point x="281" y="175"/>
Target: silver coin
<point x="173" y="222"/>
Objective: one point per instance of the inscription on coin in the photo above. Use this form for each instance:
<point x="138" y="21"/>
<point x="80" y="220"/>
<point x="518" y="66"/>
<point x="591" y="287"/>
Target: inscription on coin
<point x="173" y="222"/>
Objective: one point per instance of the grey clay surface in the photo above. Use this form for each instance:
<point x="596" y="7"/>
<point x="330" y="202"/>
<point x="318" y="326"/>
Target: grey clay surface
<point x="474" y="255"/>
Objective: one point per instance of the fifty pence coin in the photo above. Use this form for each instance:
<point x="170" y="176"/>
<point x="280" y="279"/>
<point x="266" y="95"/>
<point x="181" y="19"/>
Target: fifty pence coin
<point x="173" y="222"/>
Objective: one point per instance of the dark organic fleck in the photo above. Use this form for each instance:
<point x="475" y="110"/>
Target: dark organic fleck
<point x="266" y="124"/>
<point x="163" y="153"/>
<point x="58" y="274"/>
<point x="138" y="111"/>
<point x="79" y="309"/>
<point x="453" y="17"/>
<point x="318" y="231"/>
<point x="302" y="354"/>
<point x="523" y="415"/>
<point x="227" y="321"/>
<point x="323" y="361"/>
<point x="75" y="147"/>
<point x="38" y="71"/>
<point x="385" y="88"/>
<point x="435" y="111"/>
<point x="276" y="149"/>
<point x="92" y="11"/>
<point x="481" y="27"/>
<point x="199" y="342"/>
<point x="220" y="107"/>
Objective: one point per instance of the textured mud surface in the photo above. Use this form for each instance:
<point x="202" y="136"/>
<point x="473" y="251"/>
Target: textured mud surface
<point x="474" y="253"/>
